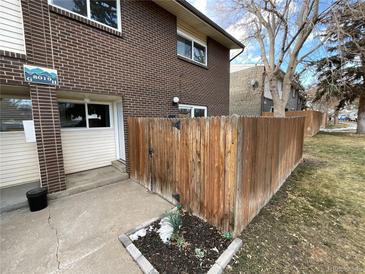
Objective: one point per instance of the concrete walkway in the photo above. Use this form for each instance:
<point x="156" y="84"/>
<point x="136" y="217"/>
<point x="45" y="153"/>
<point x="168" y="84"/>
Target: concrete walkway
<point x="79" y="233"/>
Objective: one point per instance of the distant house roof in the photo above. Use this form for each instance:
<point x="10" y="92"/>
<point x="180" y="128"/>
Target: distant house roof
<point x="239" y="67"/>
<point x="186" y="12"/>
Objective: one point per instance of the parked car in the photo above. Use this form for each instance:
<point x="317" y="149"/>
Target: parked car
<point x="343" y="117"/>
<point x="353" y="117"/>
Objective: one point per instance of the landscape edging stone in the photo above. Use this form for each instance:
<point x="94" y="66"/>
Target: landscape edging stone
<point x="148" y="268"/>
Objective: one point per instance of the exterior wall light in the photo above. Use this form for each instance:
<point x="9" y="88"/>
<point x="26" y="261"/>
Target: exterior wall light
<point x="254" y="83"/>
<point x="175" y="100"/>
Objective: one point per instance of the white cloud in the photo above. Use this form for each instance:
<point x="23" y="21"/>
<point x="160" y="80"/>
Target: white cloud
<point x="236" y="31"/>
<point x="201" y="5"/>
<point x="240" y="29"/>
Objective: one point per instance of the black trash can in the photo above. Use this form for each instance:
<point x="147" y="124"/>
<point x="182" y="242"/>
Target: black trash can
<point x="37" y="198"/>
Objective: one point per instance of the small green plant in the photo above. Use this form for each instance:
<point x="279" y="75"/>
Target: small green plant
<point x="179" y="207"/>
<point x="199" y="253"/>
<point x="227" y="235"/>
<point x="174" y="219"/>
<point x="180" y="241"/>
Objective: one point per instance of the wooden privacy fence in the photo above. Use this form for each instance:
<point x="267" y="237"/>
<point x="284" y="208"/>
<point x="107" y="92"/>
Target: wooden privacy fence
<point x="313" y="120"/>
<point x="224" y="168"/>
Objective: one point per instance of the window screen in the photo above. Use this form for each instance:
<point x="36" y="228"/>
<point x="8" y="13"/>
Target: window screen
<point x="13" y="112"/>
<point x="104" y="11"/>
<point x="77" y="6"/>
<point x="183" y="47"/>
<point x="184" y="112"/>
<point x="199" y="112"/>
<point x="192" y="50"/>
<point x="72" y="114"/>
<point x="199" y="53"/>
<point x="98" y="115"/>
<point x="191" y="111"/>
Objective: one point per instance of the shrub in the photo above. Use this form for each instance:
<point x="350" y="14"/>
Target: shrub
<point x="227" y="235"/>
<point x="180" y="241"/>
<point x="174" y="219"/>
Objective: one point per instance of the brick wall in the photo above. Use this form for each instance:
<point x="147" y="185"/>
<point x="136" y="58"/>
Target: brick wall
<point x="48" y="136"/>
<point x="44" y="101"/>
<point x="140" y="65"/>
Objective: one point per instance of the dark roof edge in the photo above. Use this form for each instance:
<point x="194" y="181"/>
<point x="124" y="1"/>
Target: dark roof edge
<point x="197" y="13"/>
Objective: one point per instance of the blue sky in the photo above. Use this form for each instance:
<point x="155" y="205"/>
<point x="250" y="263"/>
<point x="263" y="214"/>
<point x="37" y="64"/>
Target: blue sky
<point x="211" y="9"/>
<point x="251" y="55"/>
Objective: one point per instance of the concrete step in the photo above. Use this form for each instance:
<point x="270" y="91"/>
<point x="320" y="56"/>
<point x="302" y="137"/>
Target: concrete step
<point x="14" y="197"/>
<point x="90" y="179"/>
<point x="120" y="166"/>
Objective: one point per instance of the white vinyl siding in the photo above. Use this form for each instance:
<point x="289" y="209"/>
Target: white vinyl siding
<point x="18" y="160"/>
<point x="11" y="26"/>
<point x="85" y="149"/>
<point x="191" y="31"/>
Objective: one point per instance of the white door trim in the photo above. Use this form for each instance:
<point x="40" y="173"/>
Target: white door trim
<point x="116" y="129"/>
<point x="119" y="130"/>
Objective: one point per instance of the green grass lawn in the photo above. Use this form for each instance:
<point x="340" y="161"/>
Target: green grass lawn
<point x="316" y="221"/>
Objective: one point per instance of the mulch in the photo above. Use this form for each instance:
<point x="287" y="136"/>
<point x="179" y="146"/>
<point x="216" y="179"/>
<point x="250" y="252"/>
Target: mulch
<point x="168" y="258"/>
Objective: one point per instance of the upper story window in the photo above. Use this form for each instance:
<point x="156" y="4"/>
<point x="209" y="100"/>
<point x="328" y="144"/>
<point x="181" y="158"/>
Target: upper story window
<point x="11" y="27"/>
<point x="190" y="48"/>
<point x="106" y="12"/>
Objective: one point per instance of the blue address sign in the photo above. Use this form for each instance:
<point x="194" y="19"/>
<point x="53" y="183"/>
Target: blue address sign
<point x="39" y="75"/>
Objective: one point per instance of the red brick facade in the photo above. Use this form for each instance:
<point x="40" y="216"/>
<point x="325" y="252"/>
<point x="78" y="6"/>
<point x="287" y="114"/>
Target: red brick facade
<point x="140" y="65"/>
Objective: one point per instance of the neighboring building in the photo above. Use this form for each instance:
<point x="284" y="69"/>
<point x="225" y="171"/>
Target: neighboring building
<point x="250" y="94"/>
<point x="114" y="59"/>
<point x="246" y="90"/>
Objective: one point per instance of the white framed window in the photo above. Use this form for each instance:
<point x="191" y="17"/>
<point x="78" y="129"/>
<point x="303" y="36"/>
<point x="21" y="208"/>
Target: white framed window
<point x="192" y="111"/>
<point x="104" y="12"/>
<point x="13" y="111"/>
<point x="79" y="114"/>
<point x="191" y="48"/>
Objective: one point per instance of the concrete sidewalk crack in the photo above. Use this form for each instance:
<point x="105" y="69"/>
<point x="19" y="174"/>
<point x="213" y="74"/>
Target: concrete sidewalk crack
<point x="57" y="239"/>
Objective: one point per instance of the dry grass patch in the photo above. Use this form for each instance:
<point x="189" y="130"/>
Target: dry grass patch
<point x="316" y="222"/>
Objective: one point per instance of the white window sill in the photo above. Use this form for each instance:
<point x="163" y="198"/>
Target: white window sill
<point x="192" y="61"/>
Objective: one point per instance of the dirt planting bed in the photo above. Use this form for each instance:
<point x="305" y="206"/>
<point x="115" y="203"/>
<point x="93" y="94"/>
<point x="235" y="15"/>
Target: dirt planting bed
<point x="195" y="249"/>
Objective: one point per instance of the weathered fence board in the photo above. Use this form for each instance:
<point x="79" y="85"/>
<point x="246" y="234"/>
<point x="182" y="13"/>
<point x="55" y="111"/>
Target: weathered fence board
<point x="224" y="168"/>
<point x="314" y="120"/>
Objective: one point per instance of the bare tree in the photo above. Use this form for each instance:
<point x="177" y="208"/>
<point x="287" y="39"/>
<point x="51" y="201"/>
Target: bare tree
<point x="281" y="28"/>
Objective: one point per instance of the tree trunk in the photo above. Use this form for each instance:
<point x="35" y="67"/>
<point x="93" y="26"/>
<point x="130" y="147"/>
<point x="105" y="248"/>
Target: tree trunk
<point x="279" y="108"/>
<point x="361" y="115"/>
<point x="335" y="117"/>
<point x="279" y="105"/>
